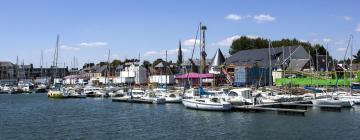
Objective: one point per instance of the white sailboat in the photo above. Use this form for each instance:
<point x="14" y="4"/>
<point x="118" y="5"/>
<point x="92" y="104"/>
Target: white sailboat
<point x="334" y="100"/>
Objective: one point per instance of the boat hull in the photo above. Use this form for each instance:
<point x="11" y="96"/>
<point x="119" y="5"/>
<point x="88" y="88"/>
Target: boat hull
<point x="206" y="106"/>
<point x="342" y="103"/>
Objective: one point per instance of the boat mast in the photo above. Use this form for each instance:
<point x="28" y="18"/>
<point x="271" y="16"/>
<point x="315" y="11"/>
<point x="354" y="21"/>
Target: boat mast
<point x="351" y="60"/>
<point x="326" y="65"/>
<point x="200" y="66"/>
<point x="270" y="66"/>
<point x="166" y="76"/>
<point x="107" y="69"/>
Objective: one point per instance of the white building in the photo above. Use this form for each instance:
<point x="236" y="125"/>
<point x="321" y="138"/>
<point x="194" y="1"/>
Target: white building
<point x="162" y="79"/>
<point x="132" y="75"/>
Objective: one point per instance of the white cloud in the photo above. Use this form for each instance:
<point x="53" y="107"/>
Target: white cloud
<point x="190" y="42"/>
<point x="347" y="18"/>
<point x="327" y="40"/>
<point x="149" y="53"/>
<point x="264" y="18"/>
<point x="64" y="47"/>
<point x="340" y="49"/>
<point x="93" y="44"/>
<point x="358" y="28"/>
<point x="228" y="41"/>
<point x="233" y="17"/>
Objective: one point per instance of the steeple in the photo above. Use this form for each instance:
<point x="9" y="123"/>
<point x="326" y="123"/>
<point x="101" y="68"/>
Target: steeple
<point x="180" y="57"/>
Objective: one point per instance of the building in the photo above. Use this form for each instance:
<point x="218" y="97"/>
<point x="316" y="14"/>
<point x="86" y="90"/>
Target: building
<point x="162" y="74"/>
<point x="242" y="64"/>
<point x="11" y="73"/>
<point x="132" y="74"/>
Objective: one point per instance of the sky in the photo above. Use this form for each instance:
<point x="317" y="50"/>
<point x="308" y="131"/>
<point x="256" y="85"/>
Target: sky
<point x="88" y="29"/>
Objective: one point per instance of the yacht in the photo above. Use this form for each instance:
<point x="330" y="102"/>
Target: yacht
<point x="92" y="91"/>
<point x="151" y="97"/>
<point x="6" y="89"/>
<point x="240" y="96"/>
<point x="211" y="103"/>
<point x="57" y="92"/>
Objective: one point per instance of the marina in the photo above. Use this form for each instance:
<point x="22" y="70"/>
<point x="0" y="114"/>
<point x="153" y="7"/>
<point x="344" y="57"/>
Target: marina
<point x="184" y="70"/>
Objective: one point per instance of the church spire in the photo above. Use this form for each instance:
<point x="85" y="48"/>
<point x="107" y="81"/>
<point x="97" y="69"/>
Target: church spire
<point x="180" y="57"/>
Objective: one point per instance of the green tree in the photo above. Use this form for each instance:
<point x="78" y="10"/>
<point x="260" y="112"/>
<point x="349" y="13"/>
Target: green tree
<point x="157" y="61"/>
<point x="116" y="63"/>
<point x="356" y="57"/>
<point x="146" y="64"/>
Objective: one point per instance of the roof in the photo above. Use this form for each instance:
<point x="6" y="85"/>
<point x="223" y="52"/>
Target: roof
<point x="194" y="75"/>
<point x="6" y="64"/>
<point x="218" y="58"/>
<point x="261" y="56"/>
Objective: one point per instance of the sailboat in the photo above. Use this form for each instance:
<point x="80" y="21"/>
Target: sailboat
<point x="57" y="91"/>
<point x="201" y="103"/>
<point x="335" y="100"/>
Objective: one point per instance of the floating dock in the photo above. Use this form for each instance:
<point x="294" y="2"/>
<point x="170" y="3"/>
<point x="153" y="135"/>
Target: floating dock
<point x="299" y="107"/>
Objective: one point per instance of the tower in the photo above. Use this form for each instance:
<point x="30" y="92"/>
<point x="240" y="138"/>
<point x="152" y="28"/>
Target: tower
<point x="180" y="55"/>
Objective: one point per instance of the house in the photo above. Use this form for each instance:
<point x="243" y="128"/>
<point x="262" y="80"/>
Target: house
<point x="292" y="58"/>
<point x="131" y="74"/>
<point x="162" y="75"/>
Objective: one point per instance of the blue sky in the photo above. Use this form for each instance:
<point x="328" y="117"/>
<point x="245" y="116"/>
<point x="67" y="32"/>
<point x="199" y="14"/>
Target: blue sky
<point x="89" y="28"/>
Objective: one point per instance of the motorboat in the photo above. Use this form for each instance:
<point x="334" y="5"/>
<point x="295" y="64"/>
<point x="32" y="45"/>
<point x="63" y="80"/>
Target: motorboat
<point x="92" y="91"/>
<point x="7" y="89"/>
<point x="41" y="88"/>
<point x="151" y="97"/>
<point x="57" y="92"/>
<point x="240" y="96"/>
<point x="74" y="93"/>
<point x="25" y="87"/>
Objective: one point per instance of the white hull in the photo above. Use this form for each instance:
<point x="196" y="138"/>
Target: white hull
<point x="342" y="103"/>
<point x="173" y="100"/>
<point x="194" y="104"/>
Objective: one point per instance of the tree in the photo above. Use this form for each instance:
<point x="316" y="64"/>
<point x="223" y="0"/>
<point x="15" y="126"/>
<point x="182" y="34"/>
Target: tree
<point x="116" y="63"/>
<point x="146" y="64"/>
<point x="357" y="57"/>
<point x="157" y="61"/>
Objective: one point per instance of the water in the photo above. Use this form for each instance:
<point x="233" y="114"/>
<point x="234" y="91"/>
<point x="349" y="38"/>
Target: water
<point x="34" y="116"/>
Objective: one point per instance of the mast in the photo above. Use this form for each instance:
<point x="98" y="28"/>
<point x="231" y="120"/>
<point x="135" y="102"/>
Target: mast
<point x="351" y="61"/>
<point x="270" y="66"/>
<point x="107" y="69"/>
<point x="326" y="65"/>
<point x="41" y="63"/>
<point x="200" y="66"/>
<point x="166" y="76"/>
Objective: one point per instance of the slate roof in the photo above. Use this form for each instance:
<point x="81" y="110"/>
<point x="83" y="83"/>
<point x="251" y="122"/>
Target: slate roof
<point x="261" y="56"/>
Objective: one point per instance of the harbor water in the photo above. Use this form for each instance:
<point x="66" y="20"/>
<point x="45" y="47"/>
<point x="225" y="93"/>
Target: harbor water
<point x="34" y="116"/>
